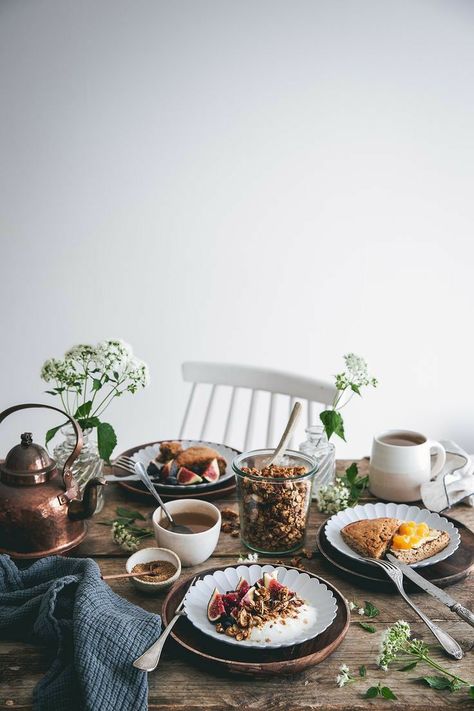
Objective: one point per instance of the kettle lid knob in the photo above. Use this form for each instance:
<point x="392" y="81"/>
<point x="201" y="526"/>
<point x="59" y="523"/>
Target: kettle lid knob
<point x="26" y="438"/>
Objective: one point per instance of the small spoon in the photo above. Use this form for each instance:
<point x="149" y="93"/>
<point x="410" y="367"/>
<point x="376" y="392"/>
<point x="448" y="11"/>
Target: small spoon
<point x="142" y="473"/>
<point x="151" y="571"/>
<point x="285" y="438"/>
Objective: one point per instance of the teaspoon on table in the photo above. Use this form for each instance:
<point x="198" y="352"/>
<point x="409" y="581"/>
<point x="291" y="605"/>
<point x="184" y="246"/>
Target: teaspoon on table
<point x="174" y="527"/>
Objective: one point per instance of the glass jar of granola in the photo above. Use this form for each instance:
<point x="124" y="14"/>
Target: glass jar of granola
<point x="274" y="501"/>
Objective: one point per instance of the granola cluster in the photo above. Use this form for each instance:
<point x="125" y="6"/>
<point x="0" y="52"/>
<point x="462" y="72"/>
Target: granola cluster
<point x="230" y="522"/>
<point x="274" y="513"/>
<point x="274" y="605"/>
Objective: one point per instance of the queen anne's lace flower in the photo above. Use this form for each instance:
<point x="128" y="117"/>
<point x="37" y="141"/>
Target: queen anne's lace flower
<point x="344" y="677"/>
<point x="137" y="373"/>
<point x="60" y="371"/>
<point x="127" y="541"/>
<point x="333" y="497"/>
<point x="394" y="641"/>
<point x="113" y="355"/>
<point x="357" y="371"/>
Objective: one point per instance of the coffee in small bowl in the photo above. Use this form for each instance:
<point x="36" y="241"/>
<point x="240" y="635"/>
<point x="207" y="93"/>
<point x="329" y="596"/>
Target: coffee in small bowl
<point x="204" y="520"/>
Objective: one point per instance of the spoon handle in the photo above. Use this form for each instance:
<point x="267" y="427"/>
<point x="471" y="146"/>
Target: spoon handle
<point x="141" y="471"/>
<point x="125" y="575"/>
<point x="295" y="413"/>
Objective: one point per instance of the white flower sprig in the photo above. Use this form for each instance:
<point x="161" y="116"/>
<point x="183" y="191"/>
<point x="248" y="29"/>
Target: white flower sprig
<point x="88" y="378"/>
<point x="249" y="558"/>
<point x="397" y="644"/>
<point x="349" y="382"/>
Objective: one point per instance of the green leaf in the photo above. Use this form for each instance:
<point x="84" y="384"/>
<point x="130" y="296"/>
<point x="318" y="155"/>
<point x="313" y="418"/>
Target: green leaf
<point x="50" y="433"/>
<point x="106" y="440"/>
<point x="366" y="627"/>
<point x="362" y="670"/>
<point x="355" y="388"/>
<point x="455" y="685"/>
<point x="88" y="423"/>
<point x="352" y="472"/>
<point x="371" y="692"/>
<point x="333" y="423"/>
<point x="51" y="392"/>
<point x="116" y="375"/>
<point x="128" y="513"/>
<point x="437" y="682"/>
<point x="409" y="666"/>
<point x="370" y="610"/>
<point x="387" y="693"/>
<point x="96" y="384"/>
<point x="471" y="692"/>
<point x="83" y="410"/>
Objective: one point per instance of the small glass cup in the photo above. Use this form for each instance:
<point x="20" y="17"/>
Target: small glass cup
<point x="273" y="510"/>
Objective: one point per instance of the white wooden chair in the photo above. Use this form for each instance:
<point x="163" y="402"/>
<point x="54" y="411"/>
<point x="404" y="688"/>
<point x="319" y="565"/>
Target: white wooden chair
<point x="281" y="388"/>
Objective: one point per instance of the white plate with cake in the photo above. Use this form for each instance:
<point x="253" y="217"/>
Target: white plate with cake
<point x="415" y="536"/>
<point x="260" y="606"/>
<point x="185" y="465"/>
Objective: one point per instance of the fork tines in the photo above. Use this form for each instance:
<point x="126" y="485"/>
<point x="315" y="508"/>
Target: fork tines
<point x="126" y="463"/>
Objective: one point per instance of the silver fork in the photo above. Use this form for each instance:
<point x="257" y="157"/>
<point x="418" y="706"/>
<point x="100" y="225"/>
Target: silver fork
<point x="395" y="574"/>
<point x="149" y="659"/>
<point x="126" y="463"/>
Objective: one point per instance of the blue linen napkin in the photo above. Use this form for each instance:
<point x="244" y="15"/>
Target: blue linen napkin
<point x="94" y="635"/>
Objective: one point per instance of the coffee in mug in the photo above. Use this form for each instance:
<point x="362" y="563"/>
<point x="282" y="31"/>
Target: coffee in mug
<point x="401" y="462"/>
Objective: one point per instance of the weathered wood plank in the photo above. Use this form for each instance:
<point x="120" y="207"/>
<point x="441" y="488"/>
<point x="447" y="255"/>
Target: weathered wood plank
<point x="177" y="685"/>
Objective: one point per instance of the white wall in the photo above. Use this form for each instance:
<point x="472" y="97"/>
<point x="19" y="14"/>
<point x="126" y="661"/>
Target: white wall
<point x="263" y="181"/>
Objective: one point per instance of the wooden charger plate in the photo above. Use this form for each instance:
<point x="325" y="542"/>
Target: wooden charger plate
<point x="205" y="651"/>
<point x="446" y="572"/>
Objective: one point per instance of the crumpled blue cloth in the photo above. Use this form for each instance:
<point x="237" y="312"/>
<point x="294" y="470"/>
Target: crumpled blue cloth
<point x="93" y="634"/>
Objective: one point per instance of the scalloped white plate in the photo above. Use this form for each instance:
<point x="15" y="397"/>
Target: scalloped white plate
<point x="314" y="617"/>
<point x="404" y="512"/>
<point x="148" y="454"/>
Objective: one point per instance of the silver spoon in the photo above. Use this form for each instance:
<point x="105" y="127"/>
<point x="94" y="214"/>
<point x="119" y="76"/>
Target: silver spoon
<point x="285" y="438"/>
<point x="142" y="473"/>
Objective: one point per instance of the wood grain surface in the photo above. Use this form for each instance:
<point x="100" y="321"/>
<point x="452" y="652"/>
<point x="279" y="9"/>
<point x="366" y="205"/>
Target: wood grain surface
<point x="179" y="685"/>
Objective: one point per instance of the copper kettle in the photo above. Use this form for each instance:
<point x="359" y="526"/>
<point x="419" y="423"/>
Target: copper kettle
<point x="41" y="512"/>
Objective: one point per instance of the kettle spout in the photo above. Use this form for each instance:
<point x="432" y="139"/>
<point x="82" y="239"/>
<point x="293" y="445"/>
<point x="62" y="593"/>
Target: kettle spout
<point x="85" y="507"/>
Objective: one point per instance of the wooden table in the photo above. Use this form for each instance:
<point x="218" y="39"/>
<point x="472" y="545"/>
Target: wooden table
<point x="177" y="685"/>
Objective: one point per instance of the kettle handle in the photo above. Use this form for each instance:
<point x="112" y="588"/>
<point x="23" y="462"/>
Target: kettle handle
<point x="69" y="482"/>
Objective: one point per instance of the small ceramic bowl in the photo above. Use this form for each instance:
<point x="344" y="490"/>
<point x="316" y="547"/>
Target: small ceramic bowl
<point x="147" y="555"/>
<point x="192" y="548"/>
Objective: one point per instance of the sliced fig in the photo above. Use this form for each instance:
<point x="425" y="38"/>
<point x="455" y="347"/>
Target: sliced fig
<point x="215" y="607"/>
<point x="212" y="472"/>
<point x="153" y="470"/>
<point x="271" y="583"/>
<point x="248" y="598"/>
<point x="186" y="477"/>
<point x="166" y="469"/>
<point x="230" y="601"/>
<point x="242" y="587"/>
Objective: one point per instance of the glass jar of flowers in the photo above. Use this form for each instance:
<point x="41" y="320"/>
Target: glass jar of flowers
<point x="86" y="381"/>
<point x="348" y="383"/>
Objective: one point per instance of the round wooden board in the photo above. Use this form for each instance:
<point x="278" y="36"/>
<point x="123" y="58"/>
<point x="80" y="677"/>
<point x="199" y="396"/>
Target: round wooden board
<point x="221" y="657"/>
<point x="446" y="572"/>
<point x="213" y="491"/>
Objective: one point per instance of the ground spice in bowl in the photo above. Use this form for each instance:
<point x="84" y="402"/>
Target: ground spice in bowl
<point x="162" y="570"/>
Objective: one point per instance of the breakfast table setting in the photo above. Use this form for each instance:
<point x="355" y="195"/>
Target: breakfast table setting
<point x="188" y="574"/>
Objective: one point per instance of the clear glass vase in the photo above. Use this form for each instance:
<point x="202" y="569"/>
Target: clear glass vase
<point x="316" y="445"/>
<point x="87" y="466"/>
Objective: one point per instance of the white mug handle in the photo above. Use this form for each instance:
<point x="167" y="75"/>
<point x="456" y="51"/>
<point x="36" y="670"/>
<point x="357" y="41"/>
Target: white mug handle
<point x="440" y="460"/>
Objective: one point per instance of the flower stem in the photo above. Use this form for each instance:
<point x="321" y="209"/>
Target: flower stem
<point x="439" y="668"/>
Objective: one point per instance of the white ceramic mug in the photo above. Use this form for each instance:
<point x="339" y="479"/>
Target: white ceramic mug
<point x="401" y="462"/>
<point x="192" y="548"/>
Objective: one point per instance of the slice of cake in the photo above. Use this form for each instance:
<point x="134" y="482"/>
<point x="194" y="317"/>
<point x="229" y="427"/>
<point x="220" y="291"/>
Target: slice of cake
<point x="370" y="538"/>
<point x="417" y="541"/>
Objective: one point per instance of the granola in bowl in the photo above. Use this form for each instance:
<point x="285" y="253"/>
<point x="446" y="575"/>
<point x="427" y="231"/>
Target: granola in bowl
<point x="247" y="610"/>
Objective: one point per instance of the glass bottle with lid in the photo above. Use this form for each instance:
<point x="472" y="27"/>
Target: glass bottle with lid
<point x="316" y="445"/>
